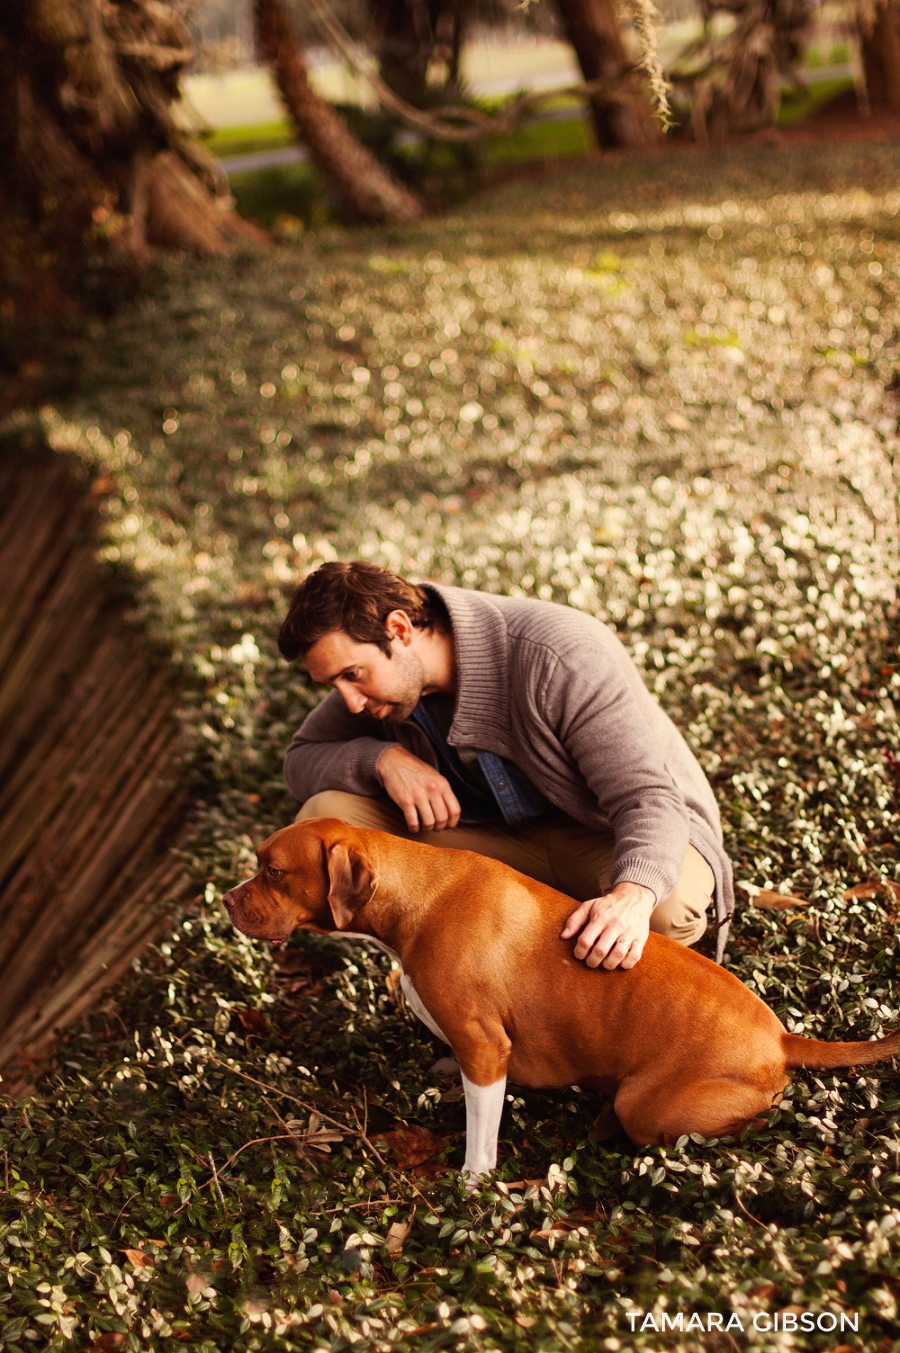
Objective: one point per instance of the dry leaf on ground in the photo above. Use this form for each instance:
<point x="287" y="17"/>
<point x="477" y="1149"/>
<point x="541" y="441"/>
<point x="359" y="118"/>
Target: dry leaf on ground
<point x="314" y="1135"/>
<point x="138" y="1258"/>
<point x="253" y="1023"/>
<point x="873" y="888"/>
<point x="398" y="1234"/>
<point x="198" y="1282"/>
<point x="445" y="1066"/>
<point x="412" y="1145"/>
<point x="770" y="901"/>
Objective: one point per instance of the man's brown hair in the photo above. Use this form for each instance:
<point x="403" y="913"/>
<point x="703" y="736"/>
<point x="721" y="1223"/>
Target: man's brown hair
<point x="356" y="598"/>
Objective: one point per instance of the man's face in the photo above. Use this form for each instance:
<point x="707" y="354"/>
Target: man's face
<point x="369" y="681"/>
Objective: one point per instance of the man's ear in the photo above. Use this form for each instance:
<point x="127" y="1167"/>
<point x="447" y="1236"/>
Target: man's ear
<point x="351" y="882"/>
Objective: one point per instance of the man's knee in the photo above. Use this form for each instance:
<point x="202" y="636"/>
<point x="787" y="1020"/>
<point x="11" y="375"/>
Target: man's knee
<point x="682" y="916"/>
<point x="330" y="803"/>
<point x="679" y="919"/>
<point x="354" y="809"/>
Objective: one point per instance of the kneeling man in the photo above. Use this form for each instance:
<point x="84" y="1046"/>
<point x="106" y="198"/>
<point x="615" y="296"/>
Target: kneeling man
<point x="516" y="728"/>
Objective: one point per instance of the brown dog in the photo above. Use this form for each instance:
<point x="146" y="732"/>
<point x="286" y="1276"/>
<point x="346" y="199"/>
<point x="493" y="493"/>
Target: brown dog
<point x="680" y="1043"/>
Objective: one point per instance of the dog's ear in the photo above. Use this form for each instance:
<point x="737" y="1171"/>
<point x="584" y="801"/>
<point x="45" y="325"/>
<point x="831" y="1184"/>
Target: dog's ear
<point x="351" y="882"/>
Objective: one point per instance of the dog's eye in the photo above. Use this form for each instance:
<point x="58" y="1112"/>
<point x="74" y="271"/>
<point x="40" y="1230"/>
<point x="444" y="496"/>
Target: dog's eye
<point x="276" y="874"/>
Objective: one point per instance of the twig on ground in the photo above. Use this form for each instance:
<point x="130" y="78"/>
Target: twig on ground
<point x="212" y="1166"/>
<point x="122" y="1209"/>
<point x="326" y="1118"/>
<point x="737" y="1198"/>
<point x="309" y="1108"/>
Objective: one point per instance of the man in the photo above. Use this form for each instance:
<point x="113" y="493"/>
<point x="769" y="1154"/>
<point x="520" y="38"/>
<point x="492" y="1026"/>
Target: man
<point x="515" y="728"/>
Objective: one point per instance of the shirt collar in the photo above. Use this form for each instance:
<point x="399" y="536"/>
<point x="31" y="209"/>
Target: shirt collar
<point x="480" y="640"/>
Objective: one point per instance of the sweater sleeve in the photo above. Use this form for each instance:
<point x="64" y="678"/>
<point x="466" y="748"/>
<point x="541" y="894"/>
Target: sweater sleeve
<point x="334" y="749"/>
<point x="599" y="723"/>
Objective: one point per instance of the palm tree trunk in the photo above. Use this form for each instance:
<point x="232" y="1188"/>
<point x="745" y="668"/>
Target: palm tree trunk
<point x="363" y="183"/>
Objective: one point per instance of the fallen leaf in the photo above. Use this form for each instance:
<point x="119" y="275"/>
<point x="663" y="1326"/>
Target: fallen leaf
<point x="559" y="1228"/>
<point x="314" y="1135"/>
<point x="526" y="1321"/>
<point x="160" y="1243"/>
<point x="770" y="901"/>
<point x="394" y="990"/>
<point x="412" y="1145"/>
<point x="453" y="1095"/>
<point x="873" y="888"/>
<point x="168" y="1199"/>
<point x="291" y="961"/>
<point x="398" y="1233"/>
<point x="198" y="1282"/>
<point x="445" y="1066"/>
<point x="253" y="1023"/>
<point x="138" y="1258"/>
<point x="108" y="1342"/>
<point x="764" y="1291"/>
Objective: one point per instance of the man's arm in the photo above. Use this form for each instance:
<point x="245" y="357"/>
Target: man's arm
<point x="600" y="725"/>
<point x="334" y="749"/>
<point x="597" y="720"/>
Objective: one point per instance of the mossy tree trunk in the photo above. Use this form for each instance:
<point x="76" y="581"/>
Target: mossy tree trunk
<point x="593" y="28"/>
<point x="366" y="187"/>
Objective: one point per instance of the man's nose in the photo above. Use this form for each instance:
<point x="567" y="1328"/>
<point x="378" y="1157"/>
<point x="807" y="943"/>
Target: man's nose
<point x="352" y="698"/>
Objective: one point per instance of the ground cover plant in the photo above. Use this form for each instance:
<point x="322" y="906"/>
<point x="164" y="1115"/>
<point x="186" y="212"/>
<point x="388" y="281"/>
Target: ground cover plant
<point x="660" y="390"/>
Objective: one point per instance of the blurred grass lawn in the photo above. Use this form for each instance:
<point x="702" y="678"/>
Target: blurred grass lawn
<point x="295" y="190"/>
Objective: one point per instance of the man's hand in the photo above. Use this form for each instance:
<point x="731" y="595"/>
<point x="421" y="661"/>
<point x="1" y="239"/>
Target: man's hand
<point x="614" y="928"/>
<point x="425" y="797"/>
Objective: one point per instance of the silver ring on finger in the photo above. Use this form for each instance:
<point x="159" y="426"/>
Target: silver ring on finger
<point x="621" y="942"/>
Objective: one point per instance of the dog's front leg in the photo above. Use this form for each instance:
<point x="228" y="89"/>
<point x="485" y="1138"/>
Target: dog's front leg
<point x="482" y="1049"/>
<point x="484" y="1109"/>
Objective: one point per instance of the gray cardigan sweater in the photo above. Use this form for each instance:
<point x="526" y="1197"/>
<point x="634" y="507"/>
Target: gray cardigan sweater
<point x="554" y="691"/>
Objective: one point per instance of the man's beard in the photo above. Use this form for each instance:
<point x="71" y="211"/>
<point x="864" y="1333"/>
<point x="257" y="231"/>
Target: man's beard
<point x="411" y="679"/>
<point x="399" y="713"/>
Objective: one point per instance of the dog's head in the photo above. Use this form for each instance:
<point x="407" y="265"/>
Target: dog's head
<point x="315" y="875"/>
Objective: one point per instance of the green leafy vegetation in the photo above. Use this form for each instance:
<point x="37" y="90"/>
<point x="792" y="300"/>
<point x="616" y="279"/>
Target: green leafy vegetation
<point x="659" y="390"/>
<point x="248" y="140"/>
<point x="799" y="103"/>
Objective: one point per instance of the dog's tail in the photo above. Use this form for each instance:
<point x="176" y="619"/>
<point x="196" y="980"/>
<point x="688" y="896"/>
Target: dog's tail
<point x="816" y="1055"/>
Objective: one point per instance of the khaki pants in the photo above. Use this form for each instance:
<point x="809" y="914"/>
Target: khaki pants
<point x="575" y="860"/>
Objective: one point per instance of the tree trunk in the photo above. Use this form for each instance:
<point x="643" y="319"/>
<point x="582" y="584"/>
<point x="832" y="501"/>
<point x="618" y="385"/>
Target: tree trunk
<point x="363" y="183"/>
<point x="593" y="30"/>
<point x="881" y="57"/>
<point x="735" y="78"/>
<point x="404" y="38"/>
<point x="413" y="38"/>
<point x="91" y="158"/>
